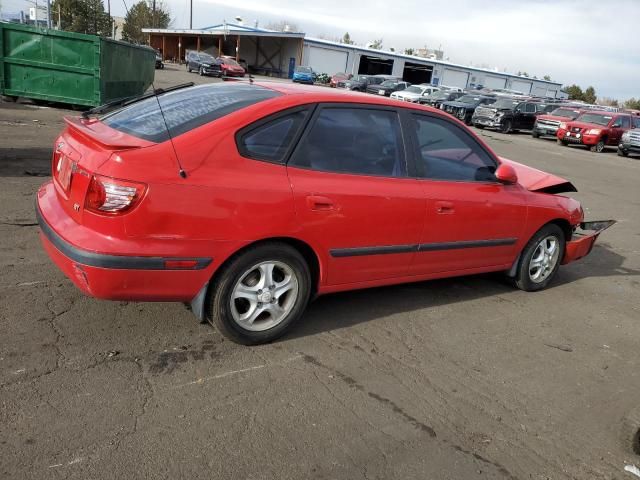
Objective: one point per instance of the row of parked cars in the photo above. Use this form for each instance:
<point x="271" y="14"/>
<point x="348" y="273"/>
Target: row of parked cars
<point x="509" y="111"/>
<point x="223" y="66"/>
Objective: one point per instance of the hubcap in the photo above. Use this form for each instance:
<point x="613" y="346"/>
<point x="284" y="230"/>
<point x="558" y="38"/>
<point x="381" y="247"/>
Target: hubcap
<point x="544" y="259"/>
<point x="264" y="296"/>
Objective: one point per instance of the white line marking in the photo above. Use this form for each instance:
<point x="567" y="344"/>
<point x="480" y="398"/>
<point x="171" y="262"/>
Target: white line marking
<point x="202" y="380"/>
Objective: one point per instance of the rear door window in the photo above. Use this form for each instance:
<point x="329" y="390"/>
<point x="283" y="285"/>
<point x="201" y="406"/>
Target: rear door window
<point x="365" y="141"/>
<point x="184" y="109"/>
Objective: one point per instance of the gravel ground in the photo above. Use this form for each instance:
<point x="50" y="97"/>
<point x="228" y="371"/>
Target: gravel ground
<point x="454" y="379"/>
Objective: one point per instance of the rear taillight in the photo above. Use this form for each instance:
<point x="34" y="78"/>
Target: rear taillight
<point x="112" y="196"/>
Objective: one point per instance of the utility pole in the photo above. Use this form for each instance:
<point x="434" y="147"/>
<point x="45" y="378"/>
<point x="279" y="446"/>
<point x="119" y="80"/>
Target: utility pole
<point x="190" y="14"/>
<point x="109" y="15"/>
<point x="153" y="15"/>
<point x="49" y="14"/>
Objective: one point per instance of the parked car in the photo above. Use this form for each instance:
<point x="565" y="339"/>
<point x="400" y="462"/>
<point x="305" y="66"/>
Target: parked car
<point x="339" y="77"/>
<point x="203" y="63"/>
<point x="547" y="124"/>
<point x="595" y="129"/>
<point x="304" y="75"/>
<point x="139" y="209"/>
<point x="453" y="89"/>
<point x="414" y="93"/>
<point x="230" y="68"/>
<point x="462" y="108"/>
<point x="436" y="99"/>
<point x="630" y="140"/>
<point x="509" y="114"/>
<point x="387" y="87"/>
<point x="361" y="82"/>
<point x="159" y="63"/>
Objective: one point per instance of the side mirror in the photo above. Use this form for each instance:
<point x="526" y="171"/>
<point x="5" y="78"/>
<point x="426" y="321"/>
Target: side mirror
<point x="506" y="174"/>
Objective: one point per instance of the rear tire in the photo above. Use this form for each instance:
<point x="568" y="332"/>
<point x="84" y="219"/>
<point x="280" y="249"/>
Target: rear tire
<point x="260" y="294"/>
<point x="540" y="259"/>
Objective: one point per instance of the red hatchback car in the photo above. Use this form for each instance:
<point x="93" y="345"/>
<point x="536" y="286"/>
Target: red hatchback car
<point x="247" y="200"/>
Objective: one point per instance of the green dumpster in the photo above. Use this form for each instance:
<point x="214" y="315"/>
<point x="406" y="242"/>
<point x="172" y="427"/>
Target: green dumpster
<point x="71" y="68"/>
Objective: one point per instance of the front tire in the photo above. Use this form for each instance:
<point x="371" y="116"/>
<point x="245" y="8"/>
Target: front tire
<point x="505" y="127"/>
<point x="535" y="134"/>
<point x="622" y="153"/>
<point x="201" y="72"/>
<point x="564" y="143"/>
<point x="598" y="147"/>
<point x="540" y="259"/>
<point x="260" y="294"/>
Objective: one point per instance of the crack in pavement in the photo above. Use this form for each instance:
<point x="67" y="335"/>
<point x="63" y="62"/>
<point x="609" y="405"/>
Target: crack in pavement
<point x="395" y="408"/>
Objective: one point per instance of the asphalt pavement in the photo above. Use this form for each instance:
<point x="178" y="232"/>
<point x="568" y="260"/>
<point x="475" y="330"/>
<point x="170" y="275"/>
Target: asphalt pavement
<point x="453" y="379"/>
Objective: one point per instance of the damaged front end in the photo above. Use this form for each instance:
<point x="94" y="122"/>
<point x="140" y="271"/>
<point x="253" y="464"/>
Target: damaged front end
<point x="583" y="239"/>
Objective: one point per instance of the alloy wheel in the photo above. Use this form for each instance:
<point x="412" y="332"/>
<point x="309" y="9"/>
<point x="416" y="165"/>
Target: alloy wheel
<point x="264" y="295"/>
<point x="544" y="259"/>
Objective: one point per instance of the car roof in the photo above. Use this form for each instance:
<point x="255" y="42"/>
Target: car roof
<point x="313" y="93"/>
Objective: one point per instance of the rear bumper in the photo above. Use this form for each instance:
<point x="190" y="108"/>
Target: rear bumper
<point x="117" y="276"/>
<point x="582" y="243"/>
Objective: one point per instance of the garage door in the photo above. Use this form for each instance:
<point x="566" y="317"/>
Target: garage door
<point x="539" y="91"/>
<point x="521" y="86"/>
<point x="455" y="78"/>
<point x="325" y="60"/>
<point x="494" y="82"/>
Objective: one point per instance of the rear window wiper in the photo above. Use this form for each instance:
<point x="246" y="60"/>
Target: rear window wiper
<point x="123" y="102"/>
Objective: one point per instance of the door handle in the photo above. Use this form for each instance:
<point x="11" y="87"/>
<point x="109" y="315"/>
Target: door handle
<point x="318" y="202"/>
<point x="444" y="207"/>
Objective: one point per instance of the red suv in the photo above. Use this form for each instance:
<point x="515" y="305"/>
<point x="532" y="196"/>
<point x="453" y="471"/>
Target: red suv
<point x="594" y="129"/>
<point x="248" y="200"/>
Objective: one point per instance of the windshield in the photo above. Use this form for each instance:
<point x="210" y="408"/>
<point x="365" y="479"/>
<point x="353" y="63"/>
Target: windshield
<point x="388" y="83"/>
<point x="184" y="109"/>
<point x="414" y="90"/>
<point x="303" y="70"/>
<point x="468" y="99"/>
<point x="565" y="112"/>
<point x="206" y="58"/>
<point x="230" y="61"/>
<point x="439" y="95"/>
<point x="359" y="78"/>
<point x="596" y="118"/>
<point x="505" y="103"/>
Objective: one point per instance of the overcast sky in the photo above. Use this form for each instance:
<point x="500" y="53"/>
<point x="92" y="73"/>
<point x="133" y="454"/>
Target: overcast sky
<point x="588" y="42"/>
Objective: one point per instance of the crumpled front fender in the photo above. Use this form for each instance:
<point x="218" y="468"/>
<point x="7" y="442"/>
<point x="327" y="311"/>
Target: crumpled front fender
<point x="583" y="240"/>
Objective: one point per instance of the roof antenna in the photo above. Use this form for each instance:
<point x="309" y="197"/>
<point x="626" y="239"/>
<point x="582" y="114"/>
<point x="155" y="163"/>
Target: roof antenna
<point x="157" y="92"/>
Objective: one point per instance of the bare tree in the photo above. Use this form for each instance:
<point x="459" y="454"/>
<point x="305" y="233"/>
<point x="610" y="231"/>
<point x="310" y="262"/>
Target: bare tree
<point x="283" y="26"/>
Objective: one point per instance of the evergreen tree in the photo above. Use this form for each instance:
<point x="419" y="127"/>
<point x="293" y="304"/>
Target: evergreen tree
<point x="141" y="15"/>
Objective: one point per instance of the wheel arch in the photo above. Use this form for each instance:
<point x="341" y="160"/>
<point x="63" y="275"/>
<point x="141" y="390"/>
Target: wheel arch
<point x="562" y="223"/>
<point x="201" y="300"/>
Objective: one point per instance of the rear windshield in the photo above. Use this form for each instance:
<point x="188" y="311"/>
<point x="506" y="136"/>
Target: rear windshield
<point x="184" y="109"/>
